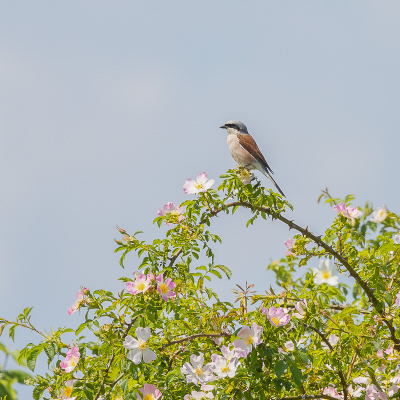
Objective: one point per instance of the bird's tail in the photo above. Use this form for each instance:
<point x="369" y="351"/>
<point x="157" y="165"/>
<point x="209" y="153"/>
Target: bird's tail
<point x="268" y="175"/>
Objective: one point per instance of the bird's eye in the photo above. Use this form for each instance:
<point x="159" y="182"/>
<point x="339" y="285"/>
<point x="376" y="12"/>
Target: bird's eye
<point x="232" y="126"/>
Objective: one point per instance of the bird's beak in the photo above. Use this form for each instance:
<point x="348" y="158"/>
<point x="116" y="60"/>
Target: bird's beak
<point x="223" y="127"/>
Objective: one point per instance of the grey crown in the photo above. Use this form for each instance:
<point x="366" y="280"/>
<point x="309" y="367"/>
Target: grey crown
<point x="242" y="127"/>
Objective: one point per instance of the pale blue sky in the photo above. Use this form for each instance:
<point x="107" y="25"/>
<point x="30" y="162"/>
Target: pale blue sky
<point x="107" y="107"/>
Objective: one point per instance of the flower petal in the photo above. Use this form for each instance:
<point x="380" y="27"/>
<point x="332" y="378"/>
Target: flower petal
<point x="135" y="355"/>
<point x="149" y="356"/>
<point x="143" y="333"/>
<point x="130" y="343"/>
<point x="208" y="184"/>
<point x="197" y="361"/>
<point x="202" y="178"/>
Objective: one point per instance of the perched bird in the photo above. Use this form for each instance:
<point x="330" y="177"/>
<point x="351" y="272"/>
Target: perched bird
<point x="245" y="151"/>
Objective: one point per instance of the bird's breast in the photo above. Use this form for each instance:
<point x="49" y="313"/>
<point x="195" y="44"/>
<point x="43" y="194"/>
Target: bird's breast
<point x="239" y="154"/>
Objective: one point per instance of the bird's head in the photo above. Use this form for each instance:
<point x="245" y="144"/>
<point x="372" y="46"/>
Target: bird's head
<point x="235" y="127"/>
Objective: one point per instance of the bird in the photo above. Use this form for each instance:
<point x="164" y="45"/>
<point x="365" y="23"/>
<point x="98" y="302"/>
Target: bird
<point x="245" y="151"/>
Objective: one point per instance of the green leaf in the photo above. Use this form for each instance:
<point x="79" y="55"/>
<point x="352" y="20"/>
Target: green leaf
<point x="270" y="352"/>
<point x="37" y="392"/>
<point x="11" y="332"/>
<point x="49" y="350"/>
<point x="297" y="375"/>
<point x="3" y="348"/>
<point x="303" y="357"/>
<point x="280" y="368"/>
<point x="225" y="270"/>
<point x="32" y="356"/>
<point x="247" y="395"/>
<point x="216" y="273"/>
<point x="287" y="384"/>
<point x="80" y="328"/>
<point x="385" y="248"/>
<point x="89" y="394"/>
<point x="20" y="376"/>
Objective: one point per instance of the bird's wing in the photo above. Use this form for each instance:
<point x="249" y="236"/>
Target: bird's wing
<point x="249" y="144"/>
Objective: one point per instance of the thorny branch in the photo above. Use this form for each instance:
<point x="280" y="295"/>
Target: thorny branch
<point x="316" y="239"/>
<point x="110" y="363"/>
<point x="326" y="341"/>
<point x="196" y="335"/>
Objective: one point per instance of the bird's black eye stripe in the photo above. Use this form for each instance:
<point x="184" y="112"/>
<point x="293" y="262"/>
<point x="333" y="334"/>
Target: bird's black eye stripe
<point x="232" y="126"/>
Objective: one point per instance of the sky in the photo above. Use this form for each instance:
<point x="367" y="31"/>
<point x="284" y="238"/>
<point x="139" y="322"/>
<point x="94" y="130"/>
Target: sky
<point x="107" y="107"/>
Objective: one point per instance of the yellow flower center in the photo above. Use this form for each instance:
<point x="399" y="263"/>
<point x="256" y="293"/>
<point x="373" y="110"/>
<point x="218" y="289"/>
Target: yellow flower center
<point x="198" y="185"/>
<point x="199" y="371"/>
<point x="67" y="391"/>
<point x="249" y="340"/>
<point x="326" y="274"/>
<point x="141" y="286"/>
<point x="73" y="362"/>
<point x="225" y="369"/>
<point x="142" y="344"/>
<point x="148" y="397"/>
<point x="275" y="320"/>
<point x="164" y="288"/>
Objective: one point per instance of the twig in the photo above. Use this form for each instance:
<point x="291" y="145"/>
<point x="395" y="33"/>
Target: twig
<point x="30" y="326"/>
<point x="329" y="249"/>
<point x="105" y="376"/>
<point x="191" y="337"/>
<point x="111" y="361"/>
<point x="340" y="373"/>
<point x="336" y="307"/>
<point x="353" y="360"/>
<point x="308" y="396"/>
<point x="117" y="380"/>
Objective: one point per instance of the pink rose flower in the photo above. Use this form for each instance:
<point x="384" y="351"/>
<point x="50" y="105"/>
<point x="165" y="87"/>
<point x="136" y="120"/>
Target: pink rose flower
<point x="397" y="301"/>
<point x="249" y="338"/>
<point x="333" y="340"/>
<point x="290" y="244"/>
<point x="276" y="316"/>
<point x="149" y="392"/>
<point x="299" y="307"/>
<point x="353" y="213"/>
<point x="140" y="285"/>
<point x="332" y="391"/>
<point x="348" y="212"/>
<point x="340" y="208"/>
<point x="165" y="287"/>
<point x="71" y="360"/>
<point x="80" y="299"/>
<point x="192" y="186"/>
<point x="170" y="208"/>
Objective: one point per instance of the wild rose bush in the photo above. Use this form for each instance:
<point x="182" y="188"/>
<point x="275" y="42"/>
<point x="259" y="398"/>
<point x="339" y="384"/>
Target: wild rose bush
<point x="168" y="335"/>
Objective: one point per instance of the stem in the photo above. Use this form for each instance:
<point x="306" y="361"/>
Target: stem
<point x="111" y="361"/>
<point x="196" y="335"/>
<point x="30" y="326"/>
<point x="117" y="380"/>
<point x="335" y="307"/>
<point x="309" y="396"/>
<point x="316" y="239"/>
<point x="340" y="373"/>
